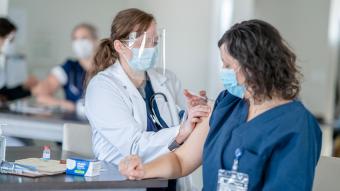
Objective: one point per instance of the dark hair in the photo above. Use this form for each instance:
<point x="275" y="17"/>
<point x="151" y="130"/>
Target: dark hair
<point x="125" y="22"/>
<point x="92" y="29"/>
<point x="6" y="27"/>
<point x="266" y="61"/>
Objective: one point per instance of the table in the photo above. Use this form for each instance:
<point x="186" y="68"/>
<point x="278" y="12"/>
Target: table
<point x="108" y="179"/>
<point x="47" y="126"/>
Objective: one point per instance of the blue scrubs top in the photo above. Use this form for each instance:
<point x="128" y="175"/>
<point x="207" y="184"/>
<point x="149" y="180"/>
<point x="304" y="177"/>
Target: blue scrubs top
<point x="74" y="87"/>
<point x="281" y="146"/>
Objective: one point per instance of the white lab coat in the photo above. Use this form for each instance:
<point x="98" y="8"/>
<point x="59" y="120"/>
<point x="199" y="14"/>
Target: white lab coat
<point x="2" y="70"/>
<point x="13" y="70"/>
<point x="117" y="114"/>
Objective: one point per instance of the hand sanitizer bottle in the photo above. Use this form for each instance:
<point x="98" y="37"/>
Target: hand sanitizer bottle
<point x="2" y="145"/>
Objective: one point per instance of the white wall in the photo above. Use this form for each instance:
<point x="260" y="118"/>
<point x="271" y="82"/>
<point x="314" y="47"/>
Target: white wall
<point x="304" y="24"/>
<point x="3" y="7"/>
<point x="225" y="14"/>
<point x="188" y="26"/>
<point x="45" y="27"/>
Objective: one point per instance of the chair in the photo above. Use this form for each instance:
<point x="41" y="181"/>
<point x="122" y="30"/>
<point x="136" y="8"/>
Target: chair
<point x="77" y="138"/>
<point x="327" y="174"/>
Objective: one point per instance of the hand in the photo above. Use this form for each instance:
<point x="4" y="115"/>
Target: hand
<point x="31" y="82"/>
<point x="46" y="100"/>
<point x="3" y="100"/>
<point x="132" y="167"/>
<point x="194" y="116"/>
<point x="194" y="100"/>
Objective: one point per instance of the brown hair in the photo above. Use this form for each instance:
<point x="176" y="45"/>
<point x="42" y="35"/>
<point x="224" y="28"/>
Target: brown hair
<point x="125" y="22"/>
<point x="92" y="29"/>
<point x="6" y="27"/>
<point x="267" y="62"/>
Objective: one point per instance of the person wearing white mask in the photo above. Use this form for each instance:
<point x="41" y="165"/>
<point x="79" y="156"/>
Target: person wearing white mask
<point x="71" y="75"/>
<point x="8" y="90"/>
<point x="134" y="106"/>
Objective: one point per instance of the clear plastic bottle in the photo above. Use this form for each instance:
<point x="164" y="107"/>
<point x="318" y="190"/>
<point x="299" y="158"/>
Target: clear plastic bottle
<point x="14" y="168"/>
<point x="2" y="145"/>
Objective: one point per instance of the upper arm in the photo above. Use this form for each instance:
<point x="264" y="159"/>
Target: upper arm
<point x="48" y="86"/>
<point x="53" y="83"/>
<point x="293" y="161"/>
<point x="190" y="153"/>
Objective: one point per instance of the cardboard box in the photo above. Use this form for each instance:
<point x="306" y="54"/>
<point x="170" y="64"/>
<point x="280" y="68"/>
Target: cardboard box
<point x="83" y="167"/>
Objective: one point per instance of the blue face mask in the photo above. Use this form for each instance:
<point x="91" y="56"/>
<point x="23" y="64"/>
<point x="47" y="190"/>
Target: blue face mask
<point x="228" y="77"/>
<point x="146" y="61"/>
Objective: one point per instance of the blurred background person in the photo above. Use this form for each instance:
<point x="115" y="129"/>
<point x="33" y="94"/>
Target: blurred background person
<point x="10" y="90"/>
<point x="13" y="66"/>
<point x="70" y="76"/>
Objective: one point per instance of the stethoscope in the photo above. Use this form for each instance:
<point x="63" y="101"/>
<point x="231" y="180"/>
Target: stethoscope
<point x="153" y="115"/>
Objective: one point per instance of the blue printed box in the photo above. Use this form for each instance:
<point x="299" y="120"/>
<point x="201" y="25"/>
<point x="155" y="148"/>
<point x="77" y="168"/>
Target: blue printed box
<point x="83" y="167"/>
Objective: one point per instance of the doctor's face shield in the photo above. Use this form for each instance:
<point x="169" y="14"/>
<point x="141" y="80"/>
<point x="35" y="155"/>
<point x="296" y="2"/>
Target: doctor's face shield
<point x="146" y="50"/>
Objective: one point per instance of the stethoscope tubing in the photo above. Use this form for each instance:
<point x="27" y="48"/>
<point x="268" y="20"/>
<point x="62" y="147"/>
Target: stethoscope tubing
<point x="153" y="115"/>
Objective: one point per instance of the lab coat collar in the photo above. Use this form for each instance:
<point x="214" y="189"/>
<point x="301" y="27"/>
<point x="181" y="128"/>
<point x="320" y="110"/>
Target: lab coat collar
<point x="155" y="76"/>
<point x="118" y="72"/>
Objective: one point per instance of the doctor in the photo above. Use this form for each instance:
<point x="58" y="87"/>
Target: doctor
<point x="261" y="137"/>
<point x="132" y="107"/>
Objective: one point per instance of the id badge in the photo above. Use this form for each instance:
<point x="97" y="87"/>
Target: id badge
<point x="232" y="181"/>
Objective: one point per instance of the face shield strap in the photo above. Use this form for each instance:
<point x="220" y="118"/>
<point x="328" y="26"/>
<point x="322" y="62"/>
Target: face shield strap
<point x="132" y="39"/>
<point x="163" y="52"/>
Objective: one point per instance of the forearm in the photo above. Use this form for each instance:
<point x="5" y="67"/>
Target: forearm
<point x="42" y="89"/>
<point x="184" y="160"/>
<point x="47" y="87"/>
<point x="181" y="162"/>
<point x="167" y="166"/>
<point x="52" y="101"/>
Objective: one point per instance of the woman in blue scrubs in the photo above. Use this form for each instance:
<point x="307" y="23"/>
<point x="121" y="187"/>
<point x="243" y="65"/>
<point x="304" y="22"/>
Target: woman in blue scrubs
<point x="257" y="127"/>
<point x="70" y="76"/>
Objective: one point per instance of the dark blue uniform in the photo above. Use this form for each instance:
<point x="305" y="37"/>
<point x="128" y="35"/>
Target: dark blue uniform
<point x="281" y="146"/>
<point x="74" y="87"/>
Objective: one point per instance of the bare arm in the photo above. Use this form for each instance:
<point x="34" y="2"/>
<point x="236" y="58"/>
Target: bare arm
<point x="45" y="91"/>
<point x="50" y="100"/>
<point x="49" y="86"/>
<point x="171" y="165"/>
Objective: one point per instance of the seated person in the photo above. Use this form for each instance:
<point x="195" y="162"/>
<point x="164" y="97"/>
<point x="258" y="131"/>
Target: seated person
<point x="9" y="92"/>
<point x="71" y="75"/>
